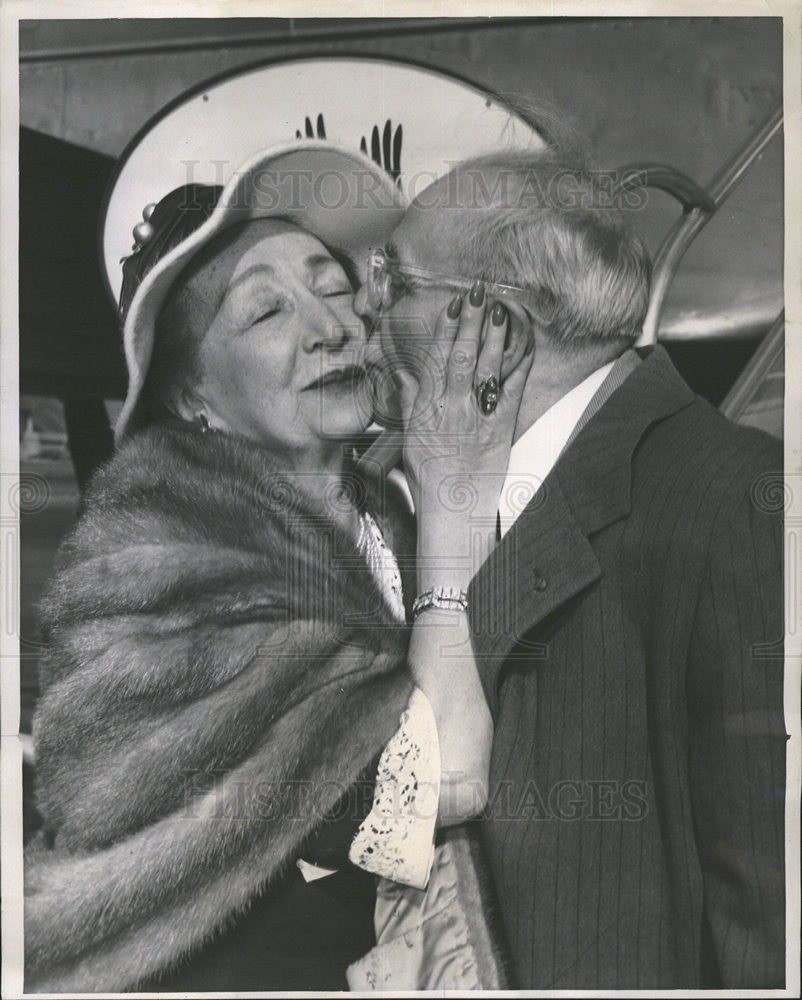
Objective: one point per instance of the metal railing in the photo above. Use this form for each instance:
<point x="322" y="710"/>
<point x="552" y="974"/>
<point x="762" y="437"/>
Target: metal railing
<point x="699" y="206"/>
<point x="765" y="363"/>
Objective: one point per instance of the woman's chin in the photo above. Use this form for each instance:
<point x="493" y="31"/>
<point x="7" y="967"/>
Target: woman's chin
<point x="340" y="426"/>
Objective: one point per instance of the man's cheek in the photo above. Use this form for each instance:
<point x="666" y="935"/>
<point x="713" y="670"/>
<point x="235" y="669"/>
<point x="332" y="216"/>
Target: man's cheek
<point x="387" y="403"/>
<point x="382" y="361"/>
<point x="376" y="354"/>
<point x="408" y="340"/>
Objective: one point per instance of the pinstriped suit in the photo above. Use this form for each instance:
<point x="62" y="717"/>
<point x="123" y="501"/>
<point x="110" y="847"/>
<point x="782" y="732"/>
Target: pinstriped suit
<point x="628" y="631"/>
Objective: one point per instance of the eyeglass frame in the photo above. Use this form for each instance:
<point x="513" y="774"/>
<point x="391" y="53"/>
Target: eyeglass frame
<point x="455" y="281"/>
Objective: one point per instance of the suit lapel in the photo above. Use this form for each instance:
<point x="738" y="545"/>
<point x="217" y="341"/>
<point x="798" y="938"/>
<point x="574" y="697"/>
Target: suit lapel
<point x="542" y="561"/>
<point x="546" y="558"/>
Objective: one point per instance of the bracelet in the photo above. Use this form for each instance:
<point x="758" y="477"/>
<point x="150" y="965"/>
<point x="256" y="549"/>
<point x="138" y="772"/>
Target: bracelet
<point x="447" y="598"/>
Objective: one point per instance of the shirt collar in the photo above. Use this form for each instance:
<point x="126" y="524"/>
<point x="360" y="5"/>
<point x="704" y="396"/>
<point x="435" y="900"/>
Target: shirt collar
<point x="536" y="451"/>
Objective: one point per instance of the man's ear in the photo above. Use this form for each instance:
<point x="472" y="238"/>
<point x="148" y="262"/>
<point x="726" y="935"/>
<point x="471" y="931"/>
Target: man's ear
<point x="520" y="333"/>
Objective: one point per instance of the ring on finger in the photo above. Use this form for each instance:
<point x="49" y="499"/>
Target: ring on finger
<point x="487" y="394"/>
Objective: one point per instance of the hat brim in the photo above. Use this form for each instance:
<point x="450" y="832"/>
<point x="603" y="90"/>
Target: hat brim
<point x="341" y="197"/>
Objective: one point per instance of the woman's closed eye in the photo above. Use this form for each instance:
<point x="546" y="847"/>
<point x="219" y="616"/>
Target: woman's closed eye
<point x="265" y="311"/>
<point x="267" y="314"/>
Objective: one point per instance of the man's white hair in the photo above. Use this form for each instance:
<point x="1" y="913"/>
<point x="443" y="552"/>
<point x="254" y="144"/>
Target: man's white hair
<point x="542" y="221"/>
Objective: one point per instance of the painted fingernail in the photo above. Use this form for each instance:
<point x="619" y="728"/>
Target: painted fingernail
<point x="454" y="307"/>
<point x="477" y="295"/>
<point x="499" y="314"/>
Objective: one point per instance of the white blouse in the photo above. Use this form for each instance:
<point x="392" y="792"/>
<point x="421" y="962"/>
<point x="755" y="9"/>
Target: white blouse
<point x="396" y="838"/>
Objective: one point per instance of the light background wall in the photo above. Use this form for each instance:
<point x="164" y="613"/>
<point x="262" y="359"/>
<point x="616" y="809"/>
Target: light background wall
<point x="685" y="91"/>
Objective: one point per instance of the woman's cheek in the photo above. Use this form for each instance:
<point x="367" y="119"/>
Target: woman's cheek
<point x="257" y="365"/>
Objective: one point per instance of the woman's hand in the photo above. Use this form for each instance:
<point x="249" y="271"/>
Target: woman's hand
<point x="456" y="455"/>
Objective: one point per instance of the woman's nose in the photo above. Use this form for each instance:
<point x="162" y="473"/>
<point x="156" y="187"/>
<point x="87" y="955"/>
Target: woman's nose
<point x="330" y="326"/>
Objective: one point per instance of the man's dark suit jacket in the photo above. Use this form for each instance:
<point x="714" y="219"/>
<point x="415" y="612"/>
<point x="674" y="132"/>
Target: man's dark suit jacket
<point x="629" y="631"/>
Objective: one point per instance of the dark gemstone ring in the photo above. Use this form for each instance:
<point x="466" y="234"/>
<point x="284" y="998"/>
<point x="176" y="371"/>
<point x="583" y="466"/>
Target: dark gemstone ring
<point x="487" y="394"/>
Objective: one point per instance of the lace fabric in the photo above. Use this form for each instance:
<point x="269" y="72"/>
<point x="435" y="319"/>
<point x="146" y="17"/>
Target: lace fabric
<point x="396" y="839"/>
<point x="382" y="563"/>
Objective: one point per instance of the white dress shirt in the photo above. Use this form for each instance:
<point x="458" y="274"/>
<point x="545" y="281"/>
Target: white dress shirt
<point x="536" y="451"/>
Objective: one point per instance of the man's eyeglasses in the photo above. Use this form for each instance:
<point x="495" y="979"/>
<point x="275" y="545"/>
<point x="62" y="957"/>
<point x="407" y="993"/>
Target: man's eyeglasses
<point x="385" y="284"/>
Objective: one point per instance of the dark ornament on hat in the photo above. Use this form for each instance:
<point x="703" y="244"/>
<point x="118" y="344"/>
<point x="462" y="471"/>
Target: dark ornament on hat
<point x="143" y="232"/>
<point x="164" y="225"/>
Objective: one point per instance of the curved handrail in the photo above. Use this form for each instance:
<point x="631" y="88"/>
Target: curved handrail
<point x="687" y="227"/>
<point x="659" y="175"/>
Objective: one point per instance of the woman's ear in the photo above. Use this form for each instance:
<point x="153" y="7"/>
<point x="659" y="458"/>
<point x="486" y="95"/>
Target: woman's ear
<point x="189" y="405"/>
<point x="520" y="334"/>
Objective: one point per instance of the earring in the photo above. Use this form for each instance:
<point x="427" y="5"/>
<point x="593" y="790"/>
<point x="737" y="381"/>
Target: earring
<point x="203" y="423"/>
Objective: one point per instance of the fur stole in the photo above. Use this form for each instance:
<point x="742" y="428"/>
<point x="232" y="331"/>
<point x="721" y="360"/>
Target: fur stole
<point x="221" y="668"/>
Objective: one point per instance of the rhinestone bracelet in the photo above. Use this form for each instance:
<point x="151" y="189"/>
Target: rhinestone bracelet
<point x="447" y="598"/>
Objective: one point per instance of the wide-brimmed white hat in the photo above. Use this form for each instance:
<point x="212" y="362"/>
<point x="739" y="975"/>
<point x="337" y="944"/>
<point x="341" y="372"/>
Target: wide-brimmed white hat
<point x="341" y="197"/>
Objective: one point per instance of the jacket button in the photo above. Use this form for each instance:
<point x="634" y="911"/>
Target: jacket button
<point x="539" y="582"/>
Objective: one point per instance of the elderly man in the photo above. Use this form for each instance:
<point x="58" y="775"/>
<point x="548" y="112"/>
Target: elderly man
<point x="627" y="626"/>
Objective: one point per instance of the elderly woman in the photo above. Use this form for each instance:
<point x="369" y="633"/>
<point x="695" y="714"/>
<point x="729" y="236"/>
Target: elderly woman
<point x="228" y="655"/>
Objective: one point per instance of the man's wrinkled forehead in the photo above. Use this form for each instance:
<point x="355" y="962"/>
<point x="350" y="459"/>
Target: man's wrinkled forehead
<point x="433" y="232"/>
<point x="428" y="235"/>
